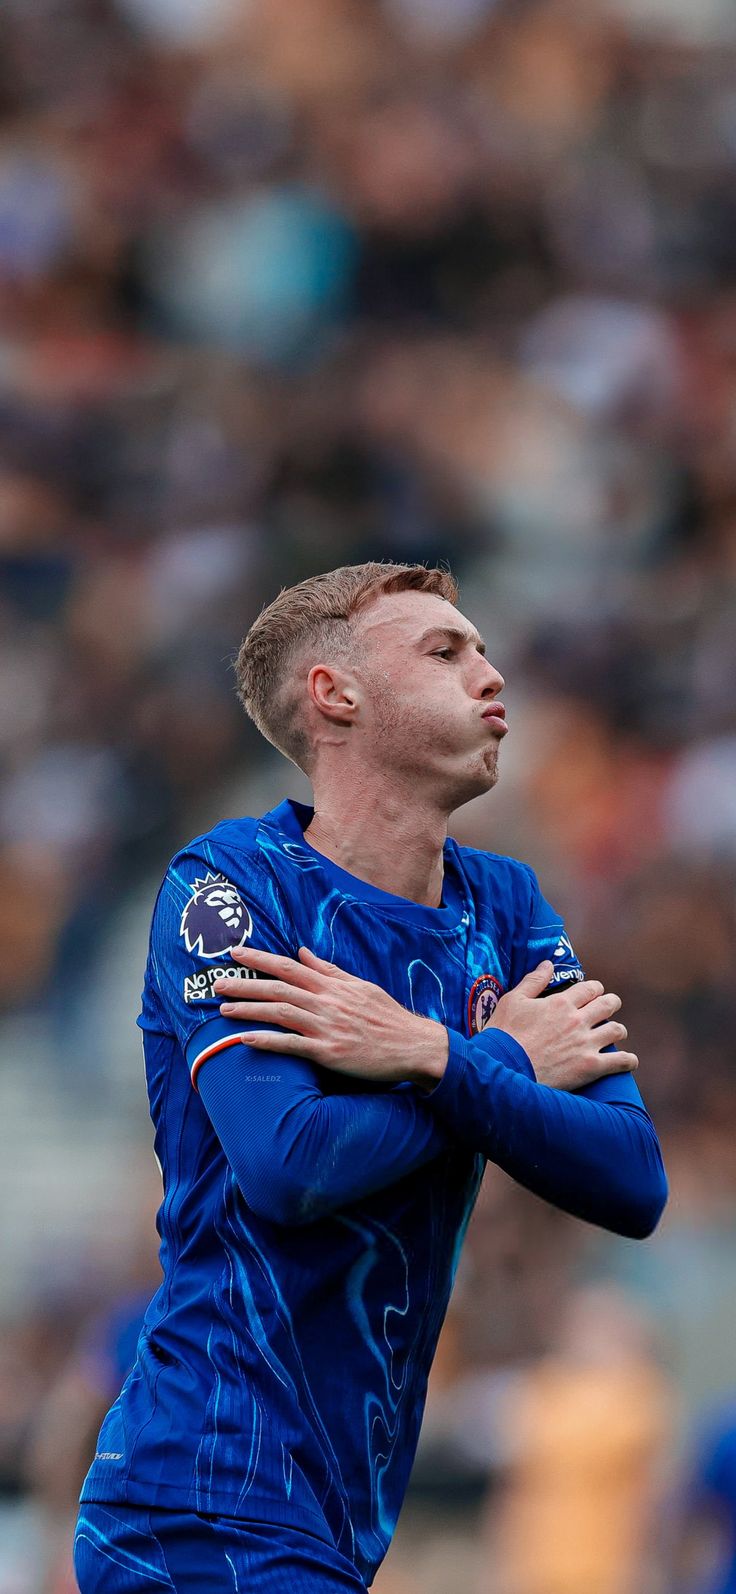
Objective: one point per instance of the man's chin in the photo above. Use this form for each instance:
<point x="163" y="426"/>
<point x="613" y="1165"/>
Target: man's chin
<point x="477" y="782"/>
<point x="489" y="767"/>
<point x="487" y="781"/>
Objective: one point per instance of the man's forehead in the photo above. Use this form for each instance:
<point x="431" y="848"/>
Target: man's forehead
<point x="406" y="616"/>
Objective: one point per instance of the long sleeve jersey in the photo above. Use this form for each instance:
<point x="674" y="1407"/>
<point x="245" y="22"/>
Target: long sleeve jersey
<point x="311" y="1223"/>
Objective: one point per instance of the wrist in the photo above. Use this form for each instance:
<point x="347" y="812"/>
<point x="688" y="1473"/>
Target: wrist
<point x="429" y="1054"/>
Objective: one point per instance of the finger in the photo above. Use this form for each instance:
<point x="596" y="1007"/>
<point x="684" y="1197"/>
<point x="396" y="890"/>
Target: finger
<point x="276" y="965"/>
<point x="283" y="1013"/>
<point x="536" y="980"/>
<point x="610" y="1035"/>
<point x="230" y="987"/>
<point x="585" y="991"/>
<point x="618" y="1063"/>
<point x="267" y="1040"/>
<point x="321" y="966"/>
<point x="602" y="1008"/>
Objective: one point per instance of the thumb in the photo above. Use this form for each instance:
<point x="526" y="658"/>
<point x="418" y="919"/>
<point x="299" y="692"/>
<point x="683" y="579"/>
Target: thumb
<point x="537" y="980"/>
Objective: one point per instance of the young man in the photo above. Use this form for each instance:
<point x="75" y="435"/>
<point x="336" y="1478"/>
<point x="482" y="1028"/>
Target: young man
<point x="357" y="1003"/>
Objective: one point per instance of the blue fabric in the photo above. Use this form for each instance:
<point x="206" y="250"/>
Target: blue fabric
<point x="711" y="1491"/>
<point x="280" y="1132"/>
<point x="595" y="1153"/>
<point x="129" y="1550"/>
<point x="311" y="1224"/>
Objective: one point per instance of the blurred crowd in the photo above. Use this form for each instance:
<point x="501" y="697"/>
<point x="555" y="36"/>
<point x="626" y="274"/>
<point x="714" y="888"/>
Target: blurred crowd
<point x="290" y="283"/>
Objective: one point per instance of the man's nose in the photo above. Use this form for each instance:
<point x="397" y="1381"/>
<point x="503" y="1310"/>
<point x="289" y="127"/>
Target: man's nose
<point x="491" y="682"/>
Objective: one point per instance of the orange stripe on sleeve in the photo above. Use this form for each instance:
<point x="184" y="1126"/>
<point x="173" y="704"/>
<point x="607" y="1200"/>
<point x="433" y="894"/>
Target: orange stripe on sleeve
<point x="209" y="1051"/>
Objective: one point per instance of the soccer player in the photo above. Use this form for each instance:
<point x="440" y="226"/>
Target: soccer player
<point x="342" y="1021"/>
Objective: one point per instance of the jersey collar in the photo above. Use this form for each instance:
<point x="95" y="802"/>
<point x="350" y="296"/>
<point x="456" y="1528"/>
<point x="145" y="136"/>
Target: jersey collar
<point x="292" y="818"/>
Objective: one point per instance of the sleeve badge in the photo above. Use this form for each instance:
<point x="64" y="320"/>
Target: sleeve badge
<point x="215" y="920"/>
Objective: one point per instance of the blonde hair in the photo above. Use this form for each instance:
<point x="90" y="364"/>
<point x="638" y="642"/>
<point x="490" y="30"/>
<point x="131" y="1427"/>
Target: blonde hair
<point x="316" y="614"/>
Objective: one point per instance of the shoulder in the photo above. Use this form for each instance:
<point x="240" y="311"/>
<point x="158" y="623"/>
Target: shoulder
<point x="239" y="841"/>
<point x="225" y="870"/>
<point x="232" y="835"/>
<point x="494" y="873"/>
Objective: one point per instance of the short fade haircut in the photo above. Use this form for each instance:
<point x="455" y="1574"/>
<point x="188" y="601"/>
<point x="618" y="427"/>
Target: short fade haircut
<point x="314" y="617"/>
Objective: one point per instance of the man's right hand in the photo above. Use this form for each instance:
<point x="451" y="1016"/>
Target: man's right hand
<point x="564" y="1036"/>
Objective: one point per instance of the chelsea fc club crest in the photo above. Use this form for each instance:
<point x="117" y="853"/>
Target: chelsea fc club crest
<point x="483" y="1000"/>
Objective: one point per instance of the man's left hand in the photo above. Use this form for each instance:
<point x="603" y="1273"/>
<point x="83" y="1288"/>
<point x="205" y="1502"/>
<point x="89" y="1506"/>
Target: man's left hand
<point x="332" y="1018"/>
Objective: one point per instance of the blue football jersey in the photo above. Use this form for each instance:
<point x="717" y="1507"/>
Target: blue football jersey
<point x="282" y="1368"/>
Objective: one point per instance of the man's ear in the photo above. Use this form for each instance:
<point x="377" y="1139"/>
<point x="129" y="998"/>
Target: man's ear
<point x="334" y="692"/>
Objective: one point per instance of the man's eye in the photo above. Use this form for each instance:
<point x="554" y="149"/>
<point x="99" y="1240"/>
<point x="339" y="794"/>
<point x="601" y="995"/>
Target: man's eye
<point x="442" y="653"/>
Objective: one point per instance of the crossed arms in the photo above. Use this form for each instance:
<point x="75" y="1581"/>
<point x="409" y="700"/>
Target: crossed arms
<point x="299" y="1154"/>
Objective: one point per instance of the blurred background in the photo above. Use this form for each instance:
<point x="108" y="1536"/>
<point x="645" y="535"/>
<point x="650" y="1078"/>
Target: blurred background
<point x="290" y="283"/>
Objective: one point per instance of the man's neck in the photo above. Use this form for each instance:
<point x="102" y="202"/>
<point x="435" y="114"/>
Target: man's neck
<point x="382" y="836"/>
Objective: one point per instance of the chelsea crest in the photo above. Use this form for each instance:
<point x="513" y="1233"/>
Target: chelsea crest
<point x="485" y="994"/>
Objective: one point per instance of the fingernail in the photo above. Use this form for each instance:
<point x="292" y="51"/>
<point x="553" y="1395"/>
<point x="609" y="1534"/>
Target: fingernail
<point x="227" y="1007"/>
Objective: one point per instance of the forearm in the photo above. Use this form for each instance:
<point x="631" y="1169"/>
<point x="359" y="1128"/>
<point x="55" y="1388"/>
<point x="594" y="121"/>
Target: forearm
<point x="299" y="1154"/>
<point x="595" y="1158"/>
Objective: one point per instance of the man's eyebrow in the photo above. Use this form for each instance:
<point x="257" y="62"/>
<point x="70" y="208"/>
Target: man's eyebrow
<point x="453" y="634"/>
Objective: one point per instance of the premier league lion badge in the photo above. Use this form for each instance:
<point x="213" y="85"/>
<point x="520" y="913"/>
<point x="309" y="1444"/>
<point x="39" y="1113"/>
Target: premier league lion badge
<point x="215" y="920"/>
<point x="483" y="1000"/>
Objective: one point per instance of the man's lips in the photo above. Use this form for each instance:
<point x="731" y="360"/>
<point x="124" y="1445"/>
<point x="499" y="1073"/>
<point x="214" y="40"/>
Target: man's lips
<point x="495" y="714"/>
